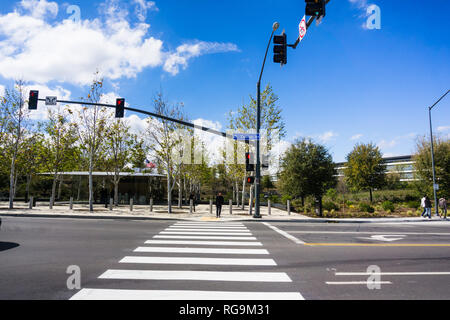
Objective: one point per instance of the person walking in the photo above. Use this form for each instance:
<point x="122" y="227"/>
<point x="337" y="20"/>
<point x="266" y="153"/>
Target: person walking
<point x="422" y="204"/>
<point x="443" y="206"/>
<point x="428" y="207"/>
<point x="219" y="203"/>
<point x="192" y="197"/>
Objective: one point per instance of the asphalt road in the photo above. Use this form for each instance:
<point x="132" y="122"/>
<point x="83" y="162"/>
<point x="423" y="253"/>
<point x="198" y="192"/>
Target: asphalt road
<point x="285" y="260"/>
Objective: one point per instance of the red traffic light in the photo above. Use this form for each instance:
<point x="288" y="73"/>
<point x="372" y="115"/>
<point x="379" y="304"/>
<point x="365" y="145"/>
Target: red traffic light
<point x="250" y="180"/>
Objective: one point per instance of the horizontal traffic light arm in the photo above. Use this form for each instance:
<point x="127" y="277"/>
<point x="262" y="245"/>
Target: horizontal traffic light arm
<point x="185" y="123"/>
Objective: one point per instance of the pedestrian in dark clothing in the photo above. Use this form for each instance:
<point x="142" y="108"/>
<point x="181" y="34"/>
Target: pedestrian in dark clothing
<point x="219" y="203"/>
<point x="428" y="207"/>
<point x="192" y="197"/>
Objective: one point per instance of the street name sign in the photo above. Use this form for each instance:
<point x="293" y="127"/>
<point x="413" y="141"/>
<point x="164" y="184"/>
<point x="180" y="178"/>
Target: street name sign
<point x="246" y="136"/>
<point x="51" y="101"/>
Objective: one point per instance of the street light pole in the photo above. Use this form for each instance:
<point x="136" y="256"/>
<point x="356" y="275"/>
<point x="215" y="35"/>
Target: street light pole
<point x="258" y="127"/>
<point x="432" y="154"/>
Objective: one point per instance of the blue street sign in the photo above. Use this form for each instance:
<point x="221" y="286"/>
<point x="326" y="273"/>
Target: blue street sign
<point x="246" y="136"/>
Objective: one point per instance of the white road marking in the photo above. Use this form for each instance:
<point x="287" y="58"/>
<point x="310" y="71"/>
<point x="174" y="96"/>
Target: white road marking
<point x="201" y="250"/>
<point x="357" y="282"/>
<point x="206" y="230"/>
<point x="207" y="233"/>
<point x="210" y="243"/>
<point x="384" y="237"/>
<point x="208" y="227"/>
<point x="205" y="237"/>
<point x="120" y="294"/>
<point x="190" y="260"/>
<point x="210" y="224"/>
<point x="285" y="234"/>
<point x="392" y="273"/>
<point x="196" y="275"/>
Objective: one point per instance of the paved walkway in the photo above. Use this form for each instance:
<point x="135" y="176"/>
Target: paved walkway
<point x="202" y="213"/>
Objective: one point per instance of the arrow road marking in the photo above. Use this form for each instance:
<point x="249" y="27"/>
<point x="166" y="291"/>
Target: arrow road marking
<point x="385" y="237"/>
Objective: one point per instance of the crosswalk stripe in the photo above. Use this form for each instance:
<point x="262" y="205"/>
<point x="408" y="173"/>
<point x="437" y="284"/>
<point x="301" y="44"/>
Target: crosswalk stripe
<point x="211" y="243"/>
<point x="122" y="294"/>
<point x="196" y="275"/>
<point x="208" y="233"/>
<point x="205" y="237"/>
<point x="190" y="260"/>
<point x="206" y="230"/>
<point x="209" y="227"/>
<point x="201" y="250"/>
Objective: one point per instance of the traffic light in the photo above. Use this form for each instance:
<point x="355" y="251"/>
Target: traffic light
<point x="280" y="49"/>
<point x="249" y="162"/>
<point x="250" y="180"/>
<point x="33" y="99"/>
<point x="315" y="8"/>
<point x="120" y="108"/>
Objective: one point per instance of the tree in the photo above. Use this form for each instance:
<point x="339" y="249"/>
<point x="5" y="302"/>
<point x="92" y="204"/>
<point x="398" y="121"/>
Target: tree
<point x="365" y="169"/>
<point x="91" y="128"/>
<point x="163" y="140"/>
<point x="272" y="124"/>
<point x="423" y="166"/>
<point x="307" y="169"/>
<point x="60" y="146"/>
<point x="118" y="146"/>
<point x="14" y="126"/>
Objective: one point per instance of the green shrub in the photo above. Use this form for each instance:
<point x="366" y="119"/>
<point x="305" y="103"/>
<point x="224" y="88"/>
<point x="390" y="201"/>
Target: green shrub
<point x="285" y="198"/>
<point x="413" y="204"/>
<point x="388" y="206"/>
<point x="364" y="207"/>
<point x="330" y="205"/>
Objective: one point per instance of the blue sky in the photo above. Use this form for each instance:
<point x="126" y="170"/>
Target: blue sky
<point x="342" y="85"/>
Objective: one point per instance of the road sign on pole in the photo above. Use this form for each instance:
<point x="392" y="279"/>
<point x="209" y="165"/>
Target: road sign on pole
<point x="51" y="101"/>
<point x="246" y="136"/>
<point x="302" y="28"/>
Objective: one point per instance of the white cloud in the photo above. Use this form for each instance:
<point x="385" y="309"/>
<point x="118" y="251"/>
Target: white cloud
<point x="387" y="144"/>
<point x="359" y="3"/>
<point x="67" y="51"/>
<point x="142" y="7"/>
<point x="39" y="8"/>
<point x="213" y="142"/>
<point x="356" y="136"/>
<point x="187" y="51"/>
<point x="2" y="90"/>
<point x="327" y="136"/>
<point x="443" y="128"/>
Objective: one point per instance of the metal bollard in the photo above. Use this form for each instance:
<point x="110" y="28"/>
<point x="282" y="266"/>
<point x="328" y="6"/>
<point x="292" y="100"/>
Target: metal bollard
<point x="131" y="204"/>
<point x="71" y="203"/>
<point x="231" y="206"/>
<point x="151" y="204"/>
<point x="210" y="206"/>
<point x="191" y="203"/>
<point x="30" y="205"/>
<point x="289" y="207"/>
<point x="110" y="204"/>
<point x="269" y="207"/>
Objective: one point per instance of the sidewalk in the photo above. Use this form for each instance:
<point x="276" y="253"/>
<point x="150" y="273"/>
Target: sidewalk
<point x="202" y="213"/>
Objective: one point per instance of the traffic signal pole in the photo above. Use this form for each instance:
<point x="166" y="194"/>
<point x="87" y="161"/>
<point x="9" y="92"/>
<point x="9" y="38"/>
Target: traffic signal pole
<point x="258" y="127"/>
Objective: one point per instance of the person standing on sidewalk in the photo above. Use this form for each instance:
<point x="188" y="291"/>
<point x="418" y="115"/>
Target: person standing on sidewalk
<point x="427" y="207"/>
<point x="443" y="206"/>
<point x="219" y="203"/>
<point x="422" y="204"/>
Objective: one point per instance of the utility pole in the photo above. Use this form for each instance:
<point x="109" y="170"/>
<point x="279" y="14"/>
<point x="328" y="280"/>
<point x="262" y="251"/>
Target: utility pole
<point x="432" y="154"/>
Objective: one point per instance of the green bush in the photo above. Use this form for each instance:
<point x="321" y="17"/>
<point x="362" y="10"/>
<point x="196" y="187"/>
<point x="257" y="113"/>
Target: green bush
<point x="413" y="204"/>
<point x="388" y="206"/>
<point x="364" y="207"/>
<point x="285" y="198"/>
<point x="330" y="205"/>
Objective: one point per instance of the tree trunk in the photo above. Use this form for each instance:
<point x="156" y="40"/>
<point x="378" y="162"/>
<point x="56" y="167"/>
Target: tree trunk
<point x="250" y="203"/>
<point x="79" y="189"/>
<point x="29" y="177"/>
<point x="52" y="197"/>
<point x="243" y="194"/>
<point x="116" y="192"/>
<point x="12" y="191"/>
<point x="169" y="195"/>
<point x="370" y="191"/>
<point x="61" y="178"/>
<point x="180" y="192"/>
<point x="91" y="183"/>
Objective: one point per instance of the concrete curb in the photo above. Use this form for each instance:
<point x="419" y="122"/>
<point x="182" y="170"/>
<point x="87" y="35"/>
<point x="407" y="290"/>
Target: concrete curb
<point x="247" y="219"/>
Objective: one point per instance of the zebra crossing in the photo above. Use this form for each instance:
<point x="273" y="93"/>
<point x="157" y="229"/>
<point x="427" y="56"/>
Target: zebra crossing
<point x="177" y="263"/>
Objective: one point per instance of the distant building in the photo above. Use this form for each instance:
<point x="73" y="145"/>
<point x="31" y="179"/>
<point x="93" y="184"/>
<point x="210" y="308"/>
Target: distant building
<point x="403" y="165"/>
